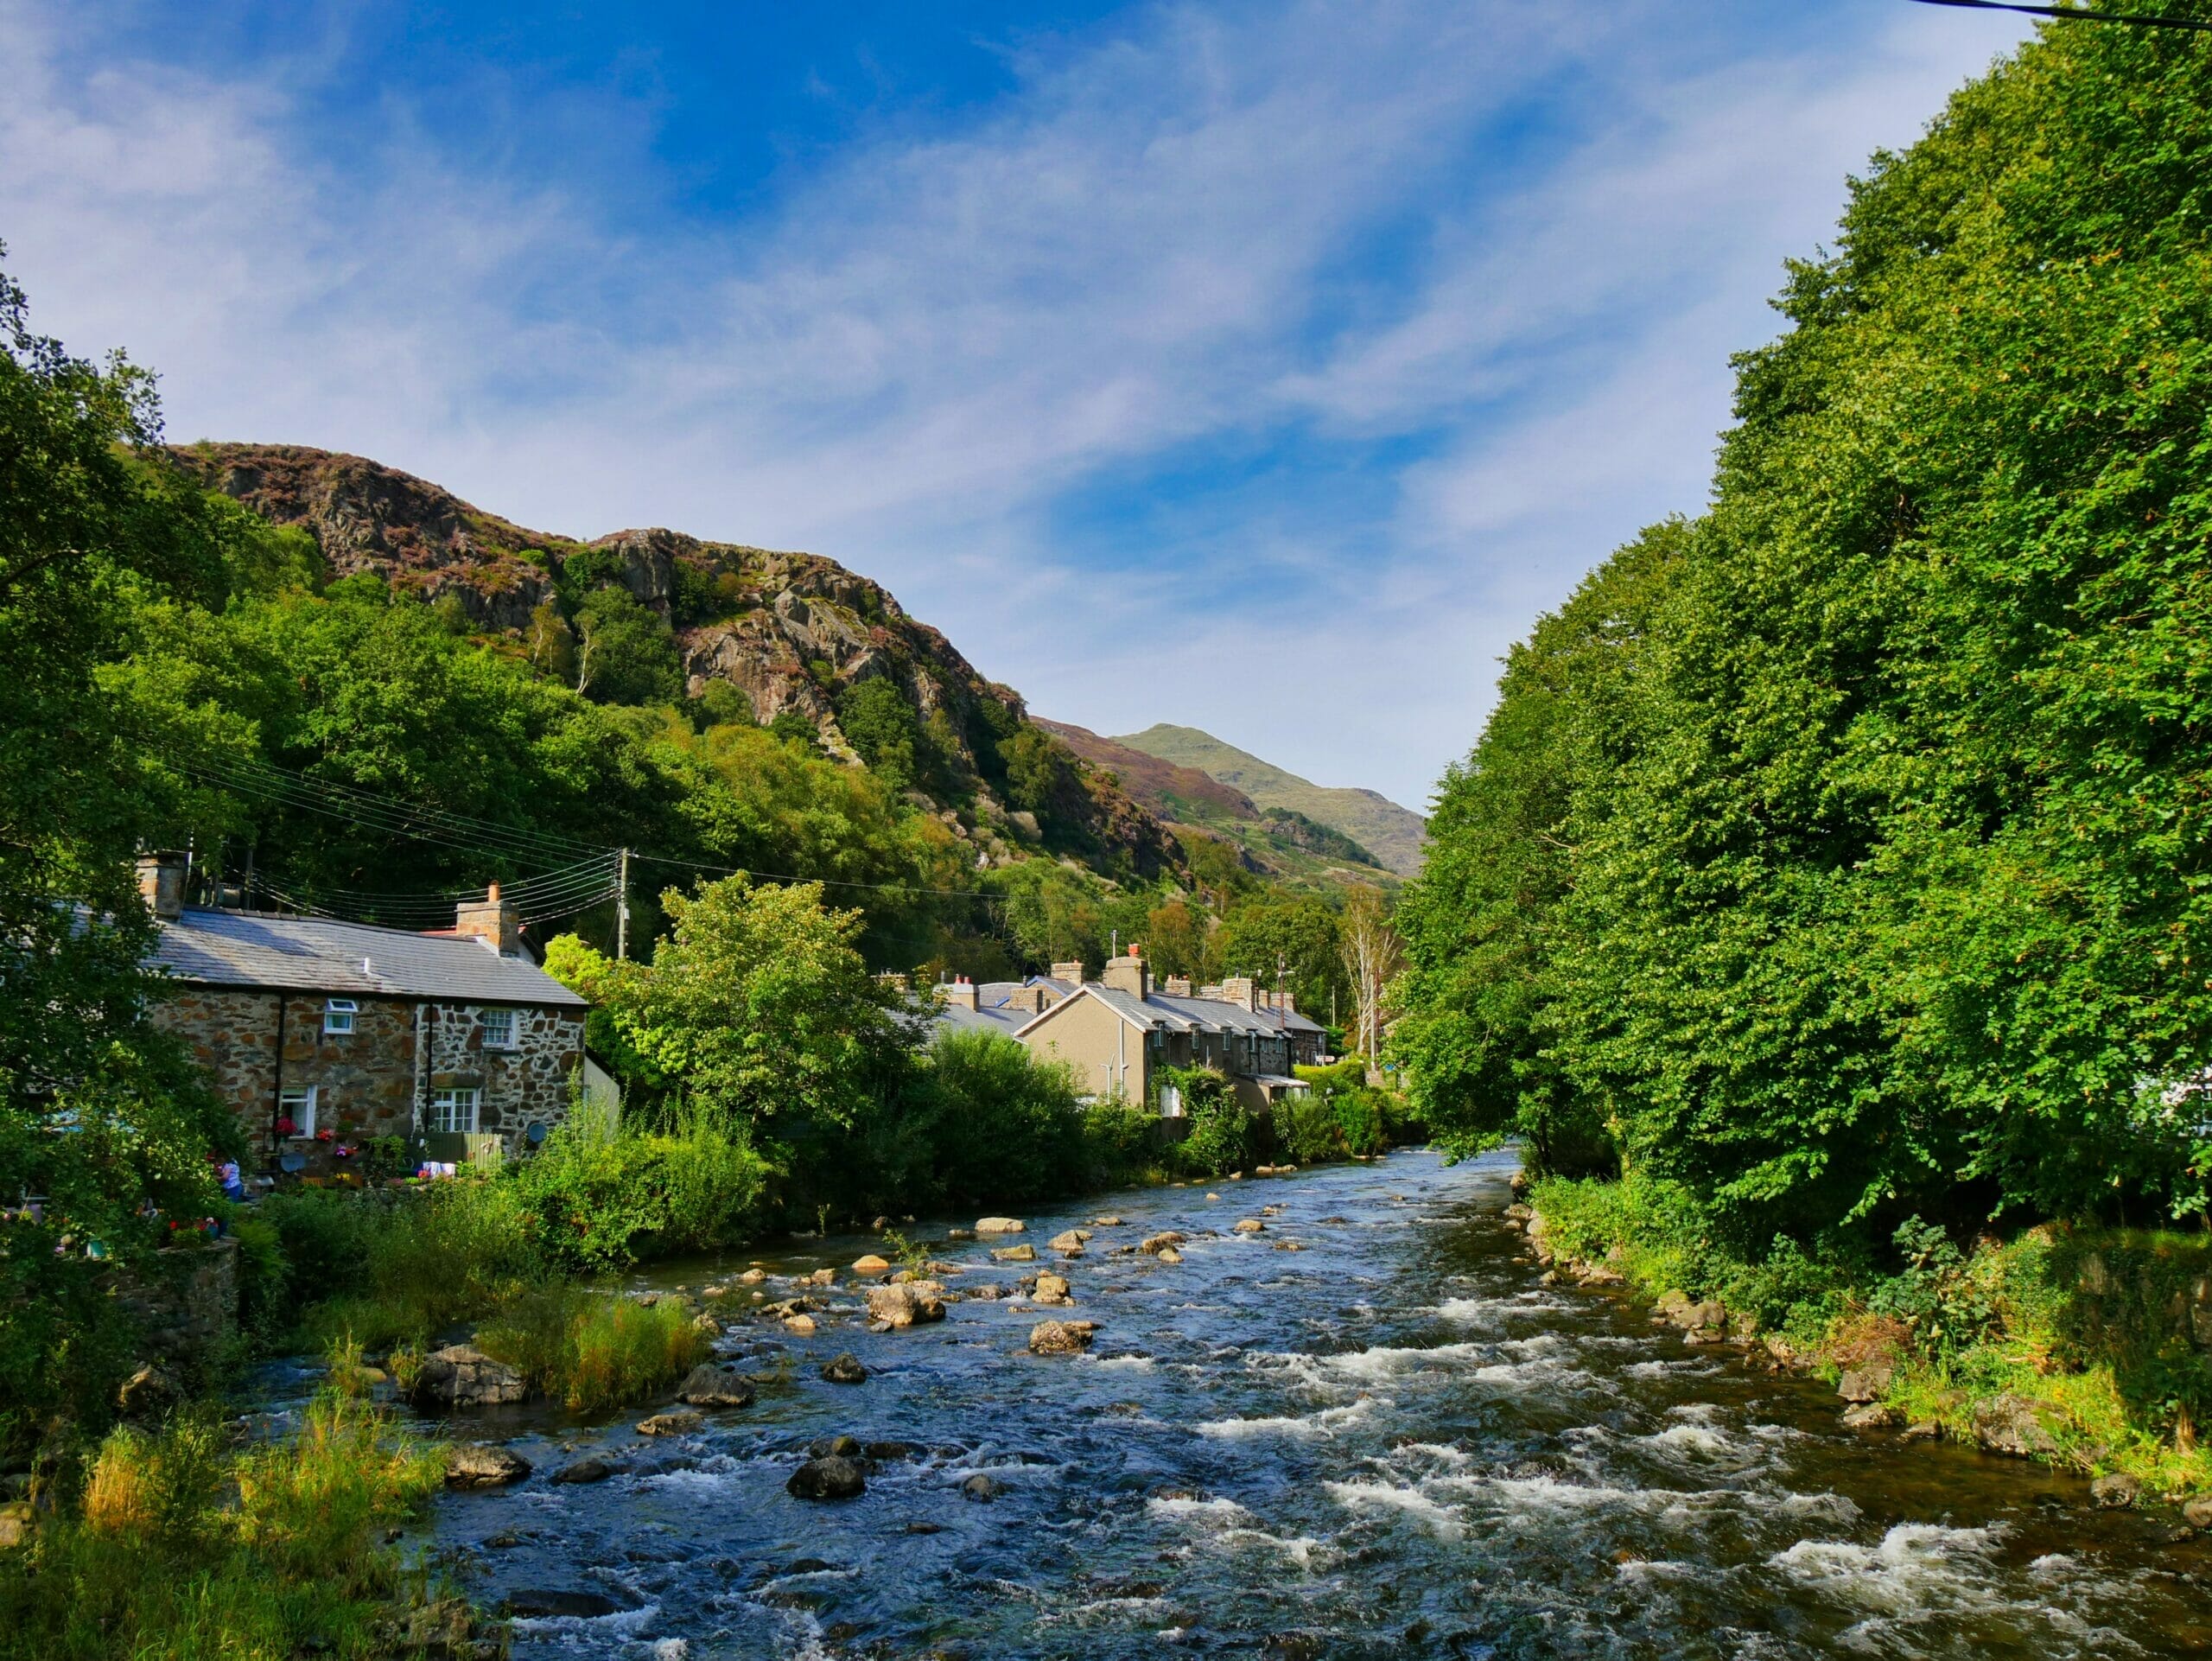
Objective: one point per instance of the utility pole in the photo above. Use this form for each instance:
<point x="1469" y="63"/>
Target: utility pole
<point x="622" y="904"/>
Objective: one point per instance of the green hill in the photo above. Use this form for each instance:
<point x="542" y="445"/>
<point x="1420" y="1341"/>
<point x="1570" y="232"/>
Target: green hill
<point x="1395" y="834"/>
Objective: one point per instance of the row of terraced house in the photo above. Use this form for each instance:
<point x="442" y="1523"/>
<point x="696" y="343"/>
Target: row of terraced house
<point x="1121" y="1032"/>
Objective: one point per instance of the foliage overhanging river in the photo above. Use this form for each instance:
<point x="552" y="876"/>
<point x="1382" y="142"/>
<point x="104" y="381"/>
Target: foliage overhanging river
<point x="1394" y="1441"/>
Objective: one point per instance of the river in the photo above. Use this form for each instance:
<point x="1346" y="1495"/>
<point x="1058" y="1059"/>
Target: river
<point x="1394" y="1441"/>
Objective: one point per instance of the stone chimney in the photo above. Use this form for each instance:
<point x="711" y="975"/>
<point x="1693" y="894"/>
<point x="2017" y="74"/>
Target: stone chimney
<point x="1283" y="1004"/>
<point x="1177" y="986"/>
<point x="1031" y="1000"/>
<point x="490" y="919"/>
<point x="1241" y="990"/>
<point x="1069" y="972"/>
<point x="1128" y="975"/>
<point x="161" y="884"/>
<point x="892" y="980"/>
<point x="959" y="993"/>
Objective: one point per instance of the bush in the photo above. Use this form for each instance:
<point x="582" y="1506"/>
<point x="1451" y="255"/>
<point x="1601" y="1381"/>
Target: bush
<point x="395" y="1264"/>
<point x="1223" y="1132"/>
<point x="1306" y="1127"/>
<point x="600" y="1193"/>
<point x="1006" y="1126"/>
<point x="1120" y="1144"/>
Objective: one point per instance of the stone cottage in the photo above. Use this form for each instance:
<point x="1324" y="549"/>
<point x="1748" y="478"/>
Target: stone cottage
<point x="309" y="1025"/>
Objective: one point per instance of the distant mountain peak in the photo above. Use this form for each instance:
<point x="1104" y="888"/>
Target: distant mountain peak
<point x="1395" y="835"/>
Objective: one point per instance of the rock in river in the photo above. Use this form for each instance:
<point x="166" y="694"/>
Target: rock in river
<point x="833" y="1478"/>
<point x="871" y="1264"/>
<point x="1247" y="1225"/>
<point x="1061" y="1337"/>
<point x="2008" y="1424"/>
<point x="461" y="1375"/>
<point x="835" y="1447"/>
<point x="1867" y="1383"/>
<point x="1153" y="1244"/>
<point x="904" y="1305"/>
<point x="588" y="1469"/>
<point x="845" y="1369"/>
<point x="672" y="1424"/>
<point x="481" y="1464"/>
<point x="983" y="1486"/>
<point x="2116" y="1493"/>
<point x="1015" y="1254"/>
<point x="1053" y="1288"/>
<point x="1000" y="1225"/>
<point x="532" y="1604"/>
<point x="712" y="1386"/>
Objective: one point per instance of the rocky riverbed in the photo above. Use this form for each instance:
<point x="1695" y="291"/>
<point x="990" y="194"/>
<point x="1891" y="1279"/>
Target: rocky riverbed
<point x="1362" y="1427"/>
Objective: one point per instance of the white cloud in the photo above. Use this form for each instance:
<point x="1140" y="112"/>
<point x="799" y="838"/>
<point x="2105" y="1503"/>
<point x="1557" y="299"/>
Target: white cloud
<point x="912" y="362"/>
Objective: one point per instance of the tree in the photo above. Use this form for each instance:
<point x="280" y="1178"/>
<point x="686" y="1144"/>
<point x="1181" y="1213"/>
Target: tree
<point x="1295" y="934"/>
<point x="1369" y="949"/>
<point x="625" y="654"/>
<point x="879" y="723"/>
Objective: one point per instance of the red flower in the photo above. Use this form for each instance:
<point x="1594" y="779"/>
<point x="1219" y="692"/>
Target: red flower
<point x="286" y="1128"/>
<point x="326" y="1135"/>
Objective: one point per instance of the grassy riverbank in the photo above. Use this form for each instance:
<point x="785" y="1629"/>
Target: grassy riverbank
<point x="2080" y="1348"/>
<point x="173" y="1543"/>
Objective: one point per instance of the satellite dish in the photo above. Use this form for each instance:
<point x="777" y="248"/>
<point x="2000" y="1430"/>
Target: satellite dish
<point x="535" y="1133"/>
<point x="292" y="1164"/>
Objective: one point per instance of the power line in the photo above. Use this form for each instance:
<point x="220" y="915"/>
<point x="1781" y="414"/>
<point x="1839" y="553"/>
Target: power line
<point x="2074" y="15"/>
<point x="483" y="837"/>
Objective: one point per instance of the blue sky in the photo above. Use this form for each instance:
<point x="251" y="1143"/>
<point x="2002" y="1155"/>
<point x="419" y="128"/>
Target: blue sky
<point x="1265" y="368"/>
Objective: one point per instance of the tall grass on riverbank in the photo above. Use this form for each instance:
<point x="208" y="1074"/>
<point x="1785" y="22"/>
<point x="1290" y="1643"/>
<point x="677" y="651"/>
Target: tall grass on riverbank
<point x="589" y="1350"/>
<point x="176" y="1546"/>
<point x="2092" y="1335"/>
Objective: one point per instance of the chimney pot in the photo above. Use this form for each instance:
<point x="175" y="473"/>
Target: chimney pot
<point x="491" y="920"/>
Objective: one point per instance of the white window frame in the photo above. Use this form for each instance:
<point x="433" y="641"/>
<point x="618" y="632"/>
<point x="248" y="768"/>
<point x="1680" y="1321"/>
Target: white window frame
<point x="297" y="1104"/>
<point x="337" y="1016"/>
<point x="446" y="1112"/>
<point x="511" y="1023"/>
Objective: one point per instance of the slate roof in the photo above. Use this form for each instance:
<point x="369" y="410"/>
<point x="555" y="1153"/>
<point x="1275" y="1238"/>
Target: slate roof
<point x="318" y="954"/>
<point x="956" y="1017"/>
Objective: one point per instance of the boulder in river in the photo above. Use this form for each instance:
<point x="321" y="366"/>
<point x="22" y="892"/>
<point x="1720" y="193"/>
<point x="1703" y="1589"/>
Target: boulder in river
<point x="871" y="1264"/>
<point x="1869" y="1415"/>
<point x="461" y="1375"/>
<point x="2119" y="1492"/>
<point x="1168" y="1255"/>
<point x="845" y="1369"/>
<point x="481" y="1465"/>
<point x="1247" y="1225"/>
<point x="1867" y="1383"/>
<point x="833" y="1477"/>
<point x="2008" y="1424"/>
<point x="837" y="1446"/>
<point x="1053" y="1288"/>
<point x="1105" y="1222"/>
<point x="533" y="1604"/>
<point x="803" y="1325"/>
<point x="1153" y="1244"/>
<point x="591" y="1468"/>
<point x="1014" y="1254"/>
<point x="983" y="1486"/>
<point x="2197" y="1513"/>
<point x="713" y="1386"/>
<point x="672" y="1424"/>
<point x="1061" y="1337"/>
<point x="1000" y="1225"/>
<point x="752" y="1277"/>
<point x="905" y="1305"/>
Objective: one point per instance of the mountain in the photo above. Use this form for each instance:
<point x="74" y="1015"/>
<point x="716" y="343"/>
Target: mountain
<point x="1395" y="834"/>
<point x="789" y="640"/>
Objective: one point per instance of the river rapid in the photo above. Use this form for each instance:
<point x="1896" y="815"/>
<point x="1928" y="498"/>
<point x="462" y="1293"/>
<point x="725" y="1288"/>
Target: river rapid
<point x="1394" y="1441"/>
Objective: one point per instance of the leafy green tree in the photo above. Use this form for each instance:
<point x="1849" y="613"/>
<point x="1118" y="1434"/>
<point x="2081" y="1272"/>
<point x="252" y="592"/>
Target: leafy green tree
<point x="98" y="1113"/>
<point x="625" y="653"/>
<point x="879" y="723"/>
<point x="1299" y="934"/>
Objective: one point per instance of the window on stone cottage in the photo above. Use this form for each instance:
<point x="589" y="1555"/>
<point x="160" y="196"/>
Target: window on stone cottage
<point x="338" y="1014"/>
<point x="453" y="1112"/>
<point x="298" y="1105"/>
<point x="499" y="1028"/>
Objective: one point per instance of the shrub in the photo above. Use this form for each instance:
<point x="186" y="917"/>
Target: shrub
<point x="1306" y="1127"/>
<point x="599" y="1194"/>
<point x="1006" y="1126"/>
<point x="1120" y="1144"/>
<point x="1222" y="1130"/>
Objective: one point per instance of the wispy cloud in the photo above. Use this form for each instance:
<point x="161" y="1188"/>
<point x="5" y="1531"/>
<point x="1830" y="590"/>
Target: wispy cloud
<point x="1455" y="285"/>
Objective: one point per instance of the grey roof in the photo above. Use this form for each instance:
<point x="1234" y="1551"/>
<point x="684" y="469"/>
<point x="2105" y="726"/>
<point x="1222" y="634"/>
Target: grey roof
<point x="1294" y="1021"/>
<point x="1219" y="1014"/>
<point x="957" y="1017"/>
<point x="318" y="954"/>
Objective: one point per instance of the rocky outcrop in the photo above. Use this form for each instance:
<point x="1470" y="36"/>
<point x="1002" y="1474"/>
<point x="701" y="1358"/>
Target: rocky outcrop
<point x="844" y="1369"/>
<point x="793" y="633"/>
<point x="462" y="1375"/>
<point x="2008" y="1424"/>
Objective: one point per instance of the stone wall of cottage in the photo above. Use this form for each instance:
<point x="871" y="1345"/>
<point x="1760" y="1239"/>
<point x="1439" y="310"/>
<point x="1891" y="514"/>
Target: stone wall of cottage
<point x="369" y="1082"/>
<point x="515" y="1087"/>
